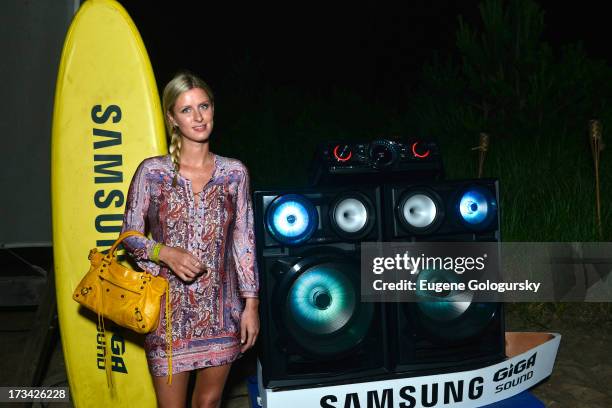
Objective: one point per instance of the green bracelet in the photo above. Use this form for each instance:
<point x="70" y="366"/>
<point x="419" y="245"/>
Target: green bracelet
<point x="155" y="252"/>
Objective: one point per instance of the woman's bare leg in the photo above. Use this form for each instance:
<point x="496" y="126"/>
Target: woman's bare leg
<point x="209" y="386"/>
<point x="173" y="395"/>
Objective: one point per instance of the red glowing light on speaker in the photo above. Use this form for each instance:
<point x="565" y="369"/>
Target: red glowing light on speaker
<point x="419" y="155"/>
<point x="337" y="155"/>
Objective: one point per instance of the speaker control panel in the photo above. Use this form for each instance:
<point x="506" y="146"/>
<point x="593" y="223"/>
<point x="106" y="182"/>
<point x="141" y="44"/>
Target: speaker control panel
<point x="381" y="156"/>
<point x="380" y="153"/>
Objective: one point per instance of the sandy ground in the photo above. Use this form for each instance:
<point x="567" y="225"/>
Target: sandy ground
<point x="582" y="376"/>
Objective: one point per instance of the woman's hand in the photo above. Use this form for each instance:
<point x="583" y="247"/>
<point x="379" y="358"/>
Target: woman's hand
<point x="249" y="324"/>
<point x="184" y="265"/>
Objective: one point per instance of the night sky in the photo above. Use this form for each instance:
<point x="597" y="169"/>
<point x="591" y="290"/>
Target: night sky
<point x="375" y="51"/>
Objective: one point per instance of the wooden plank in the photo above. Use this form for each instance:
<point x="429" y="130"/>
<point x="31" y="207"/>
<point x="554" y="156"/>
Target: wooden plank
<point x="41" y="340"/>
<point x="21" y="290"/>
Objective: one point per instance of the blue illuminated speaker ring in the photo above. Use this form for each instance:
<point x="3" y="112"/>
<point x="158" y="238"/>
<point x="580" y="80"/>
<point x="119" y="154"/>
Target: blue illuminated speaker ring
<point x="476" y="207"/>
<point x="321" y="308"/>
<point x="352" y="215"/>
<point x="420" y="210"/>
<point x="291" y="219"/>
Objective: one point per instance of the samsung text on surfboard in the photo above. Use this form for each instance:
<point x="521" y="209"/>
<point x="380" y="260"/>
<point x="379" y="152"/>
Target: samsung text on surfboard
<point x="107" y="170"/>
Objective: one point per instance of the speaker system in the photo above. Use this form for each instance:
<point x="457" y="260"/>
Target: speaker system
<point x="314" y="328"/>
<point x="436" y="335"/>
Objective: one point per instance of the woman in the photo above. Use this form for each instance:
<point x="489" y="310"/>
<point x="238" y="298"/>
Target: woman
<point x="197" y="207"/>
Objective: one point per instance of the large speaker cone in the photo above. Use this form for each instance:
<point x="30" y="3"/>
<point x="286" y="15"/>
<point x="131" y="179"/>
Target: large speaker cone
<point x="291" y="219"/>
<point x="321" y="308"/>
<point x="352" y="215"/>
<point x="477" y="207"/>
<point x="420" y="211"/>
<point x="450" y="315"/>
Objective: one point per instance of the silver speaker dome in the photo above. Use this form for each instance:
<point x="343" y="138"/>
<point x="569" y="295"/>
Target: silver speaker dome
<point x="351" y="215"/>
<point x="419" y="211"/>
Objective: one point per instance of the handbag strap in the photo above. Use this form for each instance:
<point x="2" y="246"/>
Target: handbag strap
<point x="126" y="234"/>
<point x="169" y="334"/>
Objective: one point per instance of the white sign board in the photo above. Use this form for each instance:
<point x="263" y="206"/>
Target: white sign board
<point x="464" y="389"/>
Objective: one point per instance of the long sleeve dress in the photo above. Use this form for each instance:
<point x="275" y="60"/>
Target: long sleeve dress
<point x="205" y="314"/>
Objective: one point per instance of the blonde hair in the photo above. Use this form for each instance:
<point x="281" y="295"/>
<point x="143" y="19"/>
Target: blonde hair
<point x="182" y="82"/>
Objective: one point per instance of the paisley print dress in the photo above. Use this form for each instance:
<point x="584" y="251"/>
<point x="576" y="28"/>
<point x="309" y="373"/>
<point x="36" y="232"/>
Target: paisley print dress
<point x="218" y="229"/>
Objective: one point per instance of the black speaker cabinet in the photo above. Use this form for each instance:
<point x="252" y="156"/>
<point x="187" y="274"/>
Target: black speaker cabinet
<point x="314" y="328"/>
<point x="441" y="336"/>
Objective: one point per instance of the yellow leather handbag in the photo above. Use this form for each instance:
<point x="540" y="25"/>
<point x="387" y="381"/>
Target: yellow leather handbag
<point x="129" y="298"/>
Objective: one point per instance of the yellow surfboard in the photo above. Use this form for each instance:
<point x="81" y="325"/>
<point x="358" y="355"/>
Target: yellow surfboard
<point x="107" y="118"/>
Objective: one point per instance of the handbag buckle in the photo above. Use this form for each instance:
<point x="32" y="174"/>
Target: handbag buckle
<point x="84" y="291"/>
<point x="138" y="315"/>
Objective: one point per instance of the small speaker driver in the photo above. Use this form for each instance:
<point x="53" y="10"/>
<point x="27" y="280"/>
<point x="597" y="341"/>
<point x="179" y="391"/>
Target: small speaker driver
<point x="420" y="211"/>
<point x="352" y="215"/>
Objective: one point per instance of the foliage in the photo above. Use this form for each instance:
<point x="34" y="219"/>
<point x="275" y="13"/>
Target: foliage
<point x="535" y="104"/>
<point x="506" y="81"/>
